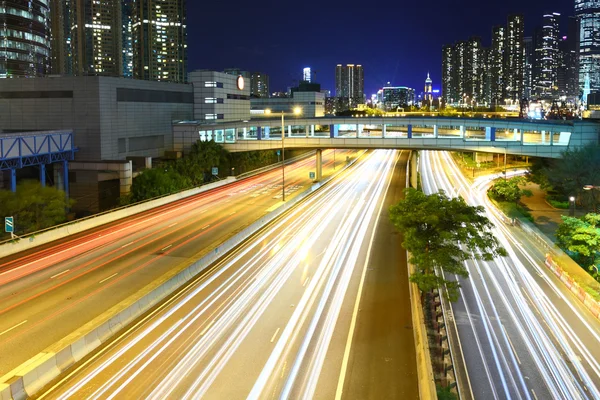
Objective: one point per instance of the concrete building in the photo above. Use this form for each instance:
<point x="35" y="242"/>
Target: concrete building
<point x="220" y="97"/>
<point x="311" y="103"/>
<point x="547" y="58"/>
<point x="259" y="85"/>
<point x="588" y="14"/>
<point x="568" y="68"/>
<point x="496" y="58"/>
<point x="528" y="67"/>
<point x="514" y="59"/>
<point x="394" y="97"/>
<point x="24" y="38"/>
<point x="159" y="32"/>
<point x="61" y="62"/>
<point x="127" y="37"/>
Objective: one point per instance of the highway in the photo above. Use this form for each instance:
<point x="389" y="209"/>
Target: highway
<point x="51" y="291"/>
<point x="274" y="318"/>
<point x="523" y="334"/>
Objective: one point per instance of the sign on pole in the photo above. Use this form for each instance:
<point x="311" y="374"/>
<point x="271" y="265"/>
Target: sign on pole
<point x="9" y="224"/>
<point x="278" y="153"/>
<point x="215" y="170"/>
<point x="312" y="175"/>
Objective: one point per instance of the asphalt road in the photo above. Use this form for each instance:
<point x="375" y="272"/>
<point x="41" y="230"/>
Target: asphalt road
<point x="53" y="290"/>
<point x="274" y="318"/>
<point x="523" y="335"/>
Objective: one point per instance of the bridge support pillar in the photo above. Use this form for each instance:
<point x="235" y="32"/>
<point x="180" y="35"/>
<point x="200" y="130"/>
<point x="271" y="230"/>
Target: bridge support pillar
<point x="409" y="131"/>
<point x="245" y="133"/>
<point x="551" y="138"/>
<point x="13" y="180"/>
<point x="289" y="131"/>
<point x="413" y="170"/>
<point x="359" y="130"/>
<point x="490" y="134"/>
<point x="259" y="133"/>
<point x="462" y="131"/>
<point x="306" y="130"/>
<point x="516" y="135"/>
<point x="43" y="175"/>
<point x="266" y="132"/>
<point x="383" y="130"/>
<point x="319" y="165"/>
<point x="312" y="130"/>
<point x="333" y="131"/>
<point x="435" y="131"/>
<point x="65" y="173"/>
<point x="543" y="137"/>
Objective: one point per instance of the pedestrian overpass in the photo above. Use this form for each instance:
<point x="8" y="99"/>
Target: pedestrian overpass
<point x="505" y="136"/>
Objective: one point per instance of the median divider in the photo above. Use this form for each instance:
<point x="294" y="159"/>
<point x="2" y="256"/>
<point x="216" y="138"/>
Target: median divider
<point x="40" y="370"/>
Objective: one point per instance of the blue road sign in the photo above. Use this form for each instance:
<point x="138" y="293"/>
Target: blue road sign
<point x="278" y="152"/>
<point x="215" y="171"/>
<point x="312" y="175"/>
<point x="9" y="224"/>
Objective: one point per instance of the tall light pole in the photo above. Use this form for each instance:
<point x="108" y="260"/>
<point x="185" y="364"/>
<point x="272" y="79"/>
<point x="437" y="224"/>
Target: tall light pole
<point x="296" y="111"/>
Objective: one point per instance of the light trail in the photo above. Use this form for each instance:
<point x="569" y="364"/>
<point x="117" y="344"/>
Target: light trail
<point x="551" y="351"/>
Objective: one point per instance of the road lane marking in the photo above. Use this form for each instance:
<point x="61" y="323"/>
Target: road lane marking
<point x="534" y="395"/>
<point x="232" y="213"/>
<point x="59" y="274"/>
<point x="16" y="326"/>
<point x="305" y="281"/>
<point x="112" y="276"/>
<point x="172" y="225"/>
<point x="204" y="227"/>
<point x="207" y="328"/>
<point x="274" y="335"/>
<point x="283" y="369"/>
<point x="203" y="211"/>
<point x="125" y="245"/>
<point x="164" y="248"/>
<point x="511" y="344"/>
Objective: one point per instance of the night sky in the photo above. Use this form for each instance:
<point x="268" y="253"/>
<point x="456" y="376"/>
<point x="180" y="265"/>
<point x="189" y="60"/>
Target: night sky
<point x="396" y="41"/>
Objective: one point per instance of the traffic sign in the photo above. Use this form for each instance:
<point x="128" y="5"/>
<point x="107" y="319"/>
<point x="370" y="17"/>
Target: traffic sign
<point x="278" y="153"/>
<point x="215" y="171"/>
<point x="9" y="224"/>
<point x="312" y="175"/>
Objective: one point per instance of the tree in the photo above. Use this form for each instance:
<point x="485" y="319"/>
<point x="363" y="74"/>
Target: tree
<point x="509" y="190"/>
<point x="580" y="237"/>
<point x="34" y="207"/>
<point x="441" y="233"/>
<point x="158" y="182"/>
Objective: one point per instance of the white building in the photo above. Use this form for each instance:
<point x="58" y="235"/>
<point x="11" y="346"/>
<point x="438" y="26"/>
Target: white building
<point x="220" y="97"/>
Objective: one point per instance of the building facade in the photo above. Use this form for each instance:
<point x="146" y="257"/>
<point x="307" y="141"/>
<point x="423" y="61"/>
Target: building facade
<point x="395" y="97"/>
<point x="514" y="58"/>
<point x="96" y="37"/>
<point x="259" y="85"/>
<point x="24" y="38"/>
<point x="496" y="59"/>
<point x="127" y="37"/>
<point x="350" y="83"/>
<point x="220" y="97"/>
<point x="159" y="32"/>
<point x="547" y="58"/>
<point x="588" y="13"/>
<point x="60" y="46"/>
<point x="312" y="104"/>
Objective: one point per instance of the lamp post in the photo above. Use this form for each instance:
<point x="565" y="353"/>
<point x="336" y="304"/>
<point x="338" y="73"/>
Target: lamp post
<point x="297" y="111"/>
<point x="572" y="206"/>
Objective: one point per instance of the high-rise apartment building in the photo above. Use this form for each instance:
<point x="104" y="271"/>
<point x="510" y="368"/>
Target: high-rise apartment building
<point x="588" y="12"/>
<point x="473" y="72"/>
<point x="528" y="66"/>
<point x="159" y="33"/>
<point x="96" y="29"/>
<point x="60" y="45"/>
<point x="127" y="37"/>
<point x="24" y="38"/>
<point x="514" y="58"/>
<point x="547" y="58"/>
<point x="449" y="92"/>
<point x="496" y="59"/>
<point x="350" y="83"/>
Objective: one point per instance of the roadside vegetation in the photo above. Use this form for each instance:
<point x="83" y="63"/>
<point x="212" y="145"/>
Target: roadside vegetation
<point x="507" y="194"/>
<point x="33" y="207"/>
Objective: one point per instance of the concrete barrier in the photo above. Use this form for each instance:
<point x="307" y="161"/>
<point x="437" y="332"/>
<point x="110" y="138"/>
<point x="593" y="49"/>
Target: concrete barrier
<point x="34" y="374"/>
<point x="62" y="231"/>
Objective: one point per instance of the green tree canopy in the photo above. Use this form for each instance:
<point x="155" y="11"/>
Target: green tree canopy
<point x="441" y="233"/>
<point x="509" y="189"/>
<point x="34" y="207"/>
<point x="580" y="237"/>
<point x="157" y="182"/>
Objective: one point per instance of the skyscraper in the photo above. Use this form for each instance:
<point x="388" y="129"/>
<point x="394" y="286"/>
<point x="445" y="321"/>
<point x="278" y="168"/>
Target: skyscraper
<point x="528" y="71"/>
<point x="547" y="58"/>
<point x="306" y="74"/>
<point x="259" y="85"/>
<point x="496" y="59"/>
<point x="24" y="38"/>
<point x="514" y="59"/>
<point x="588" y="12"/>
<point x="428" y="90"/>
<point x="159" y="35"/>
<point x="96" y="29"/>
<point x="449" y="92"/>
<point x="350" y="83"/>
<point x="60" y="46"/>
<point x="127" y="38"/>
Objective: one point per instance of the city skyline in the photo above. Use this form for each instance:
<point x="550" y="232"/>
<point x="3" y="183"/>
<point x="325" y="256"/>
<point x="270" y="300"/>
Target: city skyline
<point x="366" y="44"/>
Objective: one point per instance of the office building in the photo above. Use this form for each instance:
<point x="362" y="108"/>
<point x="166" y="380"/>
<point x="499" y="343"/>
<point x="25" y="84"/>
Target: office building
<point x="96" y="29"/>
<point x="547" y="58"/>
<point x="588" y="13"/>
<point x="259" y="85"/>
<point x="60" y="46"/>
<point x="514" y="59"/>
<point x="127" y="37"/>
<point x="397" y="97"/>
<point x="159" y="35"/>
<point x="428" y="89"/>
<point x="24" y="38"/>
<point x="306" y="75"/>
<point x="220" y="96"/>
<point x="349" y="83"/>
<point x="528" y="67"/>
<point x="312" y="104"/>
<point x="568" y="69"/>
<point x="449" y="94"/>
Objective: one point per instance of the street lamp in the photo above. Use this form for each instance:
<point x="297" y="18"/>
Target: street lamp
<point x="296" y="111"/>
<point x="572" y="206"/>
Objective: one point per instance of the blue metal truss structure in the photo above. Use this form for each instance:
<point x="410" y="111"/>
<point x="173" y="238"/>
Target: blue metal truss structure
<point x="36" y="148"/>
